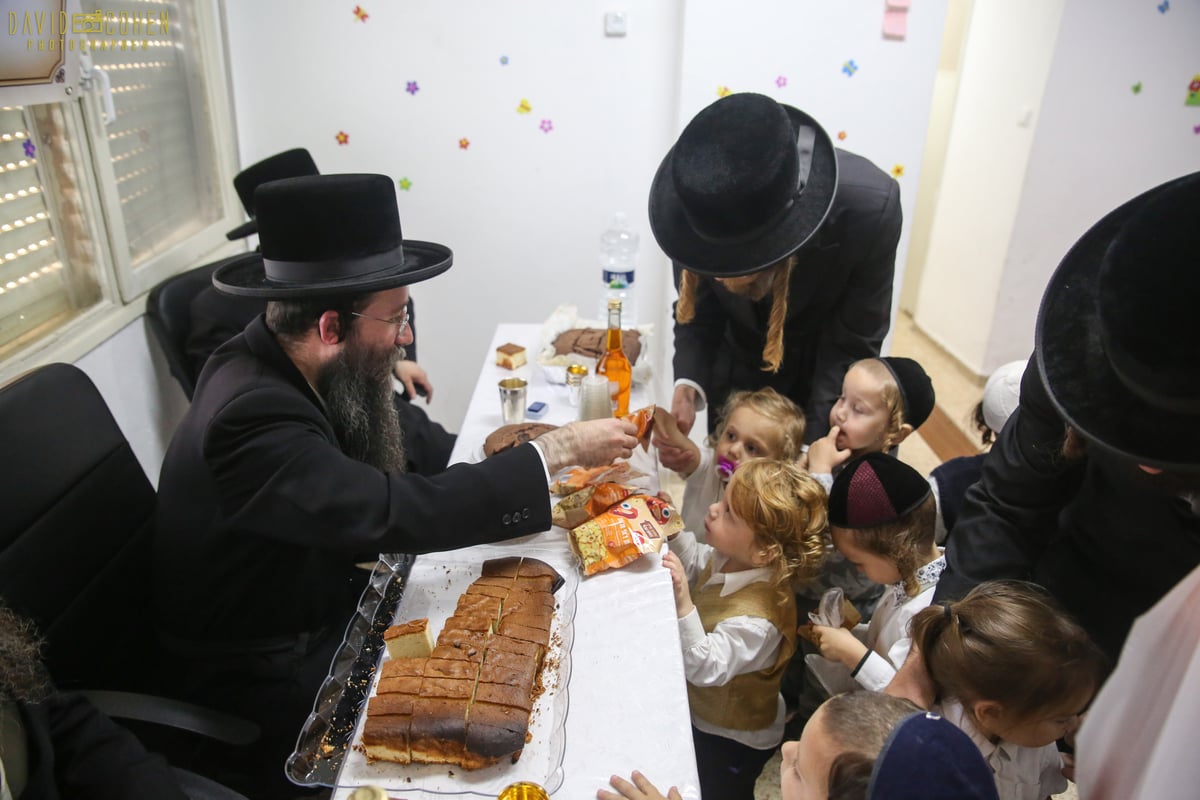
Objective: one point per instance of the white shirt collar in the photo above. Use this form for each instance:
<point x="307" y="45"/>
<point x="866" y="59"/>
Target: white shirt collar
<point x="735" y="581"/>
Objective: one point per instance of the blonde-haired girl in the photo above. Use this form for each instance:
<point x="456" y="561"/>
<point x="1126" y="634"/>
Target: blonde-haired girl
<point x="754" y="424"/>
<point x="737" y="616"/>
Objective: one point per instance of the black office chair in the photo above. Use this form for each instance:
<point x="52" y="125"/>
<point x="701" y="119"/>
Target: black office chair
<point x="75" y="540"/>
<point x="168" y="313"/>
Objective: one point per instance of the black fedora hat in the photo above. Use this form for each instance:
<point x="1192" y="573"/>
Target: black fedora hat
<point x="1117" y="343"/>
<point x="748" y="182"/>
<point x="293" y="163"/>
<point x="329" y="234"/>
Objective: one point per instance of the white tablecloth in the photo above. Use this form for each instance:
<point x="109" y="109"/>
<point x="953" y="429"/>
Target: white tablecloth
<point x="628" y="699"/>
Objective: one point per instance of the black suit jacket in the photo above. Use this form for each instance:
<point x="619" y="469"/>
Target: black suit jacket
<point x="1090" y="531"/>
<point x="261" y="517"/>
<point x="839" y="306"/>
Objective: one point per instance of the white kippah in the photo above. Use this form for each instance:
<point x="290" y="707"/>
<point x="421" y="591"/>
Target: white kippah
<point x="1002" y="393"/>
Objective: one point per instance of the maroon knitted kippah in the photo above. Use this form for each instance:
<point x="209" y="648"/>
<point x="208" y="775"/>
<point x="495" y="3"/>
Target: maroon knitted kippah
<point x="875" y="489"/>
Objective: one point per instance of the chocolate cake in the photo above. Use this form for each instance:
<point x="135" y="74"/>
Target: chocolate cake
<point x="469" y="703"/>
<point x="509" y="436"/>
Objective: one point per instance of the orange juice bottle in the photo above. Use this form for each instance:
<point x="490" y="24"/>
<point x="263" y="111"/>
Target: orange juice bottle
<point x="613" y="363"/>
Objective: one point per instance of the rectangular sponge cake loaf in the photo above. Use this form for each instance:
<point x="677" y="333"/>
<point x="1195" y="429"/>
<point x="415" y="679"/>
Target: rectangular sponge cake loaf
<point x="469" y="702"/>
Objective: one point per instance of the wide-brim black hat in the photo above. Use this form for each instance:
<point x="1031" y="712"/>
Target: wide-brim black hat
<point x="748" y="182"/>
<point x="329" y="234"/>
<point x="1118" y="333"/>
<point x="293" y="163"/>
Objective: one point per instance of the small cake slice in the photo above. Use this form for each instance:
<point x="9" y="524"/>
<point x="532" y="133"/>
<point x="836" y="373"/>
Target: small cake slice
<point x="409" y="639"/>
<point x="510" y="355"/>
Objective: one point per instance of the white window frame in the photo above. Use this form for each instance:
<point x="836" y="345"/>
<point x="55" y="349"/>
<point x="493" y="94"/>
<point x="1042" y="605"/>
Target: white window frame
<point x="123" y="289"/>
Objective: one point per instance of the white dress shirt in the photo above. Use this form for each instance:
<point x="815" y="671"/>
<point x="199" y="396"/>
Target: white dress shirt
<point x="737" y="645"/>
<point x="1022" y="773"/>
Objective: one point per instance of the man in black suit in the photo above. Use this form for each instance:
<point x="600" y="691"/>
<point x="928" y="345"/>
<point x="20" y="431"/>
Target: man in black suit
<point x="217" y="317"/>
<point x="287" y="467"/>
<point x="784" y="254"/>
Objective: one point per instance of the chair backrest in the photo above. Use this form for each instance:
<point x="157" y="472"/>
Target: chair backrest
<point x="75" y="532"/>
<point x="168" y="313"/>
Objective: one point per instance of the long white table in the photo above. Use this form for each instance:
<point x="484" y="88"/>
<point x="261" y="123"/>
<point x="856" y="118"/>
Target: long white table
<point x="628" y="704"/>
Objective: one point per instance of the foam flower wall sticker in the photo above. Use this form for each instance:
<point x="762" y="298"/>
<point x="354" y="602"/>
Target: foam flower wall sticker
<point x="464" y="143"/>
<point x="412" y="87"/>
<point x="546" y="126"/>
<point x="898" y="171"/>
<point x="343" y="137"/>
<point x="359" y="14"/>
<point x="405" y="184"/>
<point x="30" y="148"/>
<point x="781" y="81"/>
<point x="524" y="107"/>
<point x="724" y="91"/>
<point x="850" y="68"/>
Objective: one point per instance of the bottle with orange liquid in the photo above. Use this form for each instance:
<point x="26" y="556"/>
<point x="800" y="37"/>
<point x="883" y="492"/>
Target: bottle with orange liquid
<point x="613" y="363"/>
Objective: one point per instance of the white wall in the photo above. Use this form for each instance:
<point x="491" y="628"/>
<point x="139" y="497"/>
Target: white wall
<point x="1006" y="61"/>
<point x="1015" y="198"/>
<point x="1098" y="144"/>
<point x="522" y="209"/>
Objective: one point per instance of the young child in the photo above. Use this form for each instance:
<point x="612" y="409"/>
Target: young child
<point x="758" y="424"/>
<point x="950" y="480"/>
<point x="832" y="758"/>
<point x="881" y="518"/>
<point x="1014" y="671"/>
<point x="737" y="616"/>
<point x="883" y="400"/>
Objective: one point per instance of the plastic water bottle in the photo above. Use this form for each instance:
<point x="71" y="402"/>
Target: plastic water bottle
<point x="618" y="259"/>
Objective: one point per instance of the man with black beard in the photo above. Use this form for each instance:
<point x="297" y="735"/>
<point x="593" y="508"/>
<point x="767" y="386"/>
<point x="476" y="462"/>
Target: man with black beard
<point x="288" y="467"/>
<point x="58" y="745"/>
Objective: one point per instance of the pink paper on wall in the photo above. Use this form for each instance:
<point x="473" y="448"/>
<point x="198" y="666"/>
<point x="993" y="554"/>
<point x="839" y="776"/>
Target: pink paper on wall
<point x="895" y="23"/>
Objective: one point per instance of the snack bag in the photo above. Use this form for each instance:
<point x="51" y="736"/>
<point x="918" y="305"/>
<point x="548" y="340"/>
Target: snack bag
<point x="833" y="611"/>
<point x="588" y="503"/>
<point x="643" y="418"/>
<point x="578" y="478"/>
<point x="637" y="525"/>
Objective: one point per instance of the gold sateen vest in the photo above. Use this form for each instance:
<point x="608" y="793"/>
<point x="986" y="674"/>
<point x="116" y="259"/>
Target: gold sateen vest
<point x="748" y="702"/>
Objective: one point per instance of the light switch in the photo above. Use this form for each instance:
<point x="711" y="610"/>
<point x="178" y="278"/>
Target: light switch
<point x="616" y="23"/>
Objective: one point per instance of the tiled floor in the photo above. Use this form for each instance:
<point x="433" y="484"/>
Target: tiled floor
<point x="957" y="390"/>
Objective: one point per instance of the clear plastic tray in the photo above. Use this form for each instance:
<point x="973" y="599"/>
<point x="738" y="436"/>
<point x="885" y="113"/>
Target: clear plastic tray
<point x="401" y="588"/>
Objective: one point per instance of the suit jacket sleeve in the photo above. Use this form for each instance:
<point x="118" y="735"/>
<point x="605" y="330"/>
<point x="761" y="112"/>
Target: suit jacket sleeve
<point x="1008" y="517"/>
<point x="857" y="324"/>
<point x="696" y="342"/>
<point x="280" y="475"/>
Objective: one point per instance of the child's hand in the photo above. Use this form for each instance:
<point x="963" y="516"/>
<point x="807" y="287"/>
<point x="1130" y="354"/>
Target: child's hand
<point x="683" y="595"/>
<point x="824" y="455"/>
<point x="640" y="789"/>
<point x="839" y="644"/>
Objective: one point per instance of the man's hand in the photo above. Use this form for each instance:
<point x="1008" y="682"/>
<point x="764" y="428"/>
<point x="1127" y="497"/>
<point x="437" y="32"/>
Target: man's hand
<point x="679" y="581"/>
<point x="676" y="451"/>
<point x="683" y="407"/>
<point x="640" y="789"/>
<point x="823" y="454"/>
<point x="839" y="644"/>
<point x="588" y="444"/>
<point x="412" y="375"/>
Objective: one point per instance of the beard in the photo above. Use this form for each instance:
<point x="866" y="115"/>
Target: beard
<point x="357" y="390"/>
<point x="22" y="675"/>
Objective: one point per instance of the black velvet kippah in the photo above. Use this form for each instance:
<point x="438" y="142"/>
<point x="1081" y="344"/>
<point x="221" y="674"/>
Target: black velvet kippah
<point x="916" y="390"/>
<point x="875" y="489"/>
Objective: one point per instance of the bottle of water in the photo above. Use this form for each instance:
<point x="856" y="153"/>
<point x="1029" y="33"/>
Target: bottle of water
<point x="618" y="258"/>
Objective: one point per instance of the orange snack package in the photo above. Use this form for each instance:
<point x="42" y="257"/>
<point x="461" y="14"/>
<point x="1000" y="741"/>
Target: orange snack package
<point x="588" y="503"/>
<point x="578" y="478"/>
<point x="624" y="533"/>
<point x="643" y="418"/>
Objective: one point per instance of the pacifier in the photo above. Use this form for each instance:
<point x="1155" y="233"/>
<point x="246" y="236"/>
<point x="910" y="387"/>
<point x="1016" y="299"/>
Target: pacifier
<point x="725" y="467"/>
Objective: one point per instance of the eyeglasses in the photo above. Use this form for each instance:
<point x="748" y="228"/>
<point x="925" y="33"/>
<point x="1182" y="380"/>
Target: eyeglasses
<point x="402" y="321"/>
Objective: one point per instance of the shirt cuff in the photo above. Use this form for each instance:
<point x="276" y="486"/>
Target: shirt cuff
<point x="691" y="630"/>
<point x="874" y="672"/>
<point x="542" y="456"/>
<point x="701" y="397"/>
